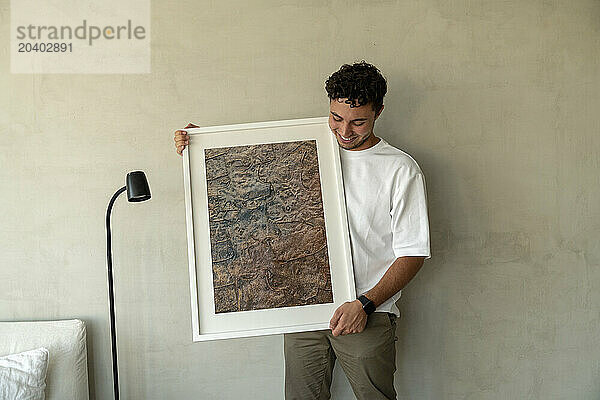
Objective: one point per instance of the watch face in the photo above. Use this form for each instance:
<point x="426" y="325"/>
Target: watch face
<point x="368" y="305"/>
<point x="363" y="300"/>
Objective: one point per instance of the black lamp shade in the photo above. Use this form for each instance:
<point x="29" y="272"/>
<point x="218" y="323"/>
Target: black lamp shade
<point x="137" y="187"/>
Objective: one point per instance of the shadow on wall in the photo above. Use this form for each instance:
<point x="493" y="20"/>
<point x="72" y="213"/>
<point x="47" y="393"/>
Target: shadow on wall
<point x="466" y="246"/>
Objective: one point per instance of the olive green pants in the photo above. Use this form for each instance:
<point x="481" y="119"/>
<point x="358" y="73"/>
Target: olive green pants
<point x="367" y="358"/>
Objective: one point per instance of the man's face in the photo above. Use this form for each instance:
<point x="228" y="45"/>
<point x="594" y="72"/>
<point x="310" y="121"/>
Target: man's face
<point x="352" y="127"/>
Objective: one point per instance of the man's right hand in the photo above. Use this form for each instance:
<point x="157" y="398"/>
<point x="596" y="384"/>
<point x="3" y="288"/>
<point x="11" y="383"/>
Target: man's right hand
<point x="182" y="139"/>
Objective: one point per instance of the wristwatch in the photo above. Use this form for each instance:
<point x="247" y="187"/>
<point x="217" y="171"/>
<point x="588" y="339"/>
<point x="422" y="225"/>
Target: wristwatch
<point x="367" y="304"/>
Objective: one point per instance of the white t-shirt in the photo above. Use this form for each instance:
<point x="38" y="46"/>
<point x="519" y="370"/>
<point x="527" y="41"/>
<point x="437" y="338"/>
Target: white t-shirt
<point x="386" y="202"/>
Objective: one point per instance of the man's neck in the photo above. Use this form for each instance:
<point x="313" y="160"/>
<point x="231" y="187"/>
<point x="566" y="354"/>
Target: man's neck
<point x="371" y="141"/>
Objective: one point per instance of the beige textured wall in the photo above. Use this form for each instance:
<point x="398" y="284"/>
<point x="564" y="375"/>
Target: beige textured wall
<point x="498" y="102"/>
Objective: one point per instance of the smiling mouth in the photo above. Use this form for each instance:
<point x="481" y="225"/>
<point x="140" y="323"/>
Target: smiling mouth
<point x="348" y="140"/>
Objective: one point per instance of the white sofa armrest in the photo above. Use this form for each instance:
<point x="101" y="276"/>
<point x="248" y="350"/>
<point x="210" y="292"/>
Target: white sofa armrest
<point x="67" y="376"/>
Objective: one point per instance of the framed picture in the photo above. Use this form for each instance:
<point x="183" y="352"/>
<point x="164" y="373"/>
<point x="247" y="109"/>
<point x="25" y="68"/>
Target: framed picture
<point x="268" y="243"/>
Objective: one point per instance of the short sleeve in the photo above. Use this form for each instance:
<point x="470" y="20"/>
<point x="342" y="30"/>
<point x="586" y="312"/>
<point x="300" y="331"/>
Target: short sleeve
<point x="410" y="222"/>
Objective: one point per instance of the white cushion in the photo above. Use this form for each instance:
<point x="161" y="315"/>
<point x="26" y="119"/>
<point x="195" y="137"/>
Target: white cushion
<point x="23" y="375"/>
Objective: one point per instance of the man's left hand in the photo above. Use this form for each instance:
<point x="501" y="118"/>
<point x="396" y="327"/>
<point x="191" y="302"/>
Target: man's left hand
<point x="348" y="318"/>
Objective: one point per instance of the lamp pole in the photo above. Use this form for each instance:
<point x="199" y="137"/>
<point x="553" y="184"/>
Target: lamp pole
<point x="111" y="294"/>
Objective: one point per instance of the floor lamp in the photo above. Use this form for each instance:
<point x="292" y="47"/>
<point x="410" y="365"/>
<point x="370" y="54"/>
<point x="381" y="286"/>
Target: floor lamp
<point x="137" y="190"/>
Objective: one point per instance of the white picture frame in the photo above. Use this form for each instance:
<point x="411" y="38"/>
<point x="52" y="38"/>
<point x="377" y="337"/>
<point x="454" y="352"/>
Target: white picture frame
<point x="208" y="325"/>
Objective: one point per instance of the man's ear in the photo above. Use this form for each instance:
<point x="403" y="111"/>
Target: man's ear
<point x="379" y="112"/>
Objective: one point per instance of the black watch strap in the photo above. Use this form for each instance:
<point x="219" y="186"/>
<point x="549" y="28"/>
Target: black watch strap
<point x="367" y="304"/>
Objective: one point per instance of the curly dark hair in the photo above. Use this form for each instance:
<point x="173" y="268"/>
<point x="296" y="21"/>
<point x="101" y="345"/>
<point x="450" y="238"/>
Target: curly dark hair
<point x="361" y="83"/>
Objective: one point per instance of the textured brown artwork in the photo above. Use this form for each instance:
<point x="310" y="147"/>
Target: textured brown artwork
<point x="267" y="229"/>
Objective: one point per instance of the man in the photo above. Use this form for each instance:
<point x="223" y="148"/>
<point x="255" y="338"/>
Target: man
<point x="389" y="236"/>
